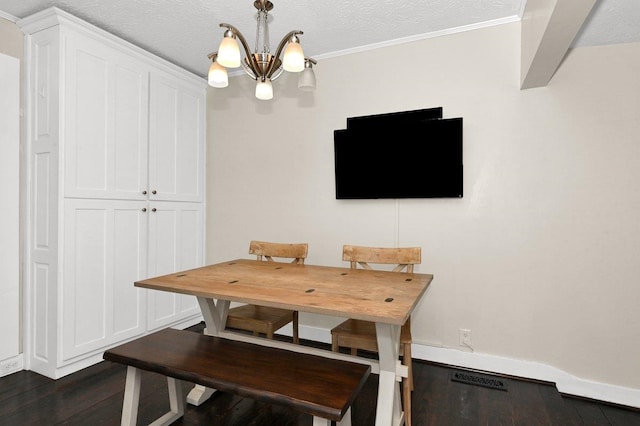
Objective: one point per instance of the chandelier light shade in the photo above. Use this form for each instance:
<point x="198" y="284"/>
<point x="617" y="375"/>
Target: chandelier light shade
<point x="293" y="59"/>
<point x="228" y="51"/>
<point x="261" y="65"/>
<point x="264" y="90"/>
<point x="217" y="74"/>
<point x="307" y="79"/>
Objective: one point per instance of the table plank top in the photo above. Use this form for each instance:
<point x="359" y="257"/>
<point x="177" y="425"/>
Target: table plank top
<point x="378" y="296"/>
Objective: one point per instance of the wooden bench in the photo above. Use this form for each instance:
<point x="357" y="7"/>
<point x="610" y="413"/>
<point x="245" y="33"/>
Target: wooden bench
<point x="322" y="387"/>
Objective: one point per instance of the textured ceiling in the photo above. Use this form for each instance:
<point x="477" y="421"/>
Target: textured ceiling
<point x="185" y="31"/>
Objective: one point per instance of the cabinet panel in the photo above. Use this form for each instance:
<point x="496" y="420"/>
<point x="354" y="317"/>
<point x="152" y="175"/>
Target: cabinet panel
<point x="105" y="252"/>
<point x="42" y="300"/>
<point x="176" y="134"/>
<point x="88" y="123"/>
<point x="106" y="119"/>
<point x="163" y="260"/>
<point x="129" y="167"/>
<point x="86" y="285"/>
<point x="175" y="244"/>
<point x="45" y="83"/>
<point x="129" y="264"/>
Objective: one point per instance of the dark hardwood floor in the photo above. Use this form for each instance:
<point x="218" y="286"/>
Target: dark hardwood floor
<point x="93" y="396"/>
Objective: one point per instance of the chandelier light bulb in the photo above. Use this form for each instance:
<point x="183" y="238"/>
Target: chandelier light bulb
<point x="293" y="60"/>
<point x="218" y="75"/>
<point x="264" y="90"/>
<point x="229" y="51"/>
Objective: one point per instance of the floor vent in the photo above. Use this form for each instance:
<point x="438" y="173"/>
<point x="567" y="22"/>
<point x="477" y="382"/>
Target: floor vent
<point x="479" y="380"/>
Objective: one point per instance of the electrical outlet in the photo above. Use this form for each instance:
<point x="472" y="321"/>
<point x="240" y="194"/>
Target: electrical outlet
<point x="464" y="337"/>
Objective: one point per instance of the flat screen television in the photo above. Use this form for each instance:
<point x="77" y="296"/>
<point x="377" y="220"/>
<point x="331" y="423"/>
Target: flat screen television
<point x="416" y="158"/>
<point x="393" y="118"/>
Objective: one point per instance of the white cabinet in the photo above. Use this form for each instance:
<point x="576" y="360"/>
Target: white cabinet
<point x="115" y="159"/>
<point x="176" y="158"/>
<point x="105" y="101"/>
<point x="105" y="252"/>
<point x="109" y="245"/>
<point x="176" y="240"/>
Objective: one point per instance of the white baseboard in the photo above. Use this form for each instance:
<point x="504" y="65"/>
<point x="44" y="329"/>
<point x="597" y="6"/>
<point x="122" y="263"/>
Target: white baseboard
<point x="565" y="382"/>
<point x="11" y="365"/>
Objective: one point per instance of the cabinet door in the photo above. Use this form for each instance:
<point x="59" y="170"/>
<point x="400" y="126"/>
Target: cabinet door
<point x="106" y="99"/>
<point x="105" y="251"/>
<point x="176" y="139"/>
<point x="176" y="243"/>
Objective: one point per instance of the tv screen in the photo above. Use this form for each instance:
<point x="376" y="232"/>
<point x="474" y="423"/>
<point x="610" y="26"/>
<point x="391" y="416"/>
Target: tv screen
<point x="419" y="158"/>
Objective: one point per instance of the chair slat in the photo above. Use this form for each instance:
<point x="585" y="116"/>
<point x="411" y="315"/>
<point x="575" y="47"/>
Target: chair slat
<point x="382" y="255"/>
<point x="297" y="252"/>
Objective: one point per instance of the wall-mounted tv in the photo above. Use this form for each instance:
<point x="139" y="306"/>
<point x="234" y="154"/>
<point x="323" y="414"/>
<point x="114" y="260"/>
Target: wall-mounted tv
<point x="393" y="118"/>
<point x="410" y="154"/>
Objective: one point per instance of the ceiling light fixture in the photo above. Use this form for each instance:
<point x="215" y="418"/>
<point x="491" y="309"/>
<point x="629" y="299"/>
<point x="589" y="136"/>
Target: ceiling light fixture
<point x="261" y="65"/>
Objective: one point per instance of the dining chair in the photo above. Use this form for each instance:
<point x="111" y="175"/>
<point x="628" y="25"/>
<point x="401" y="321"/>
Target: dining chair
<point x="359" y="334"/>
<point x="265" y="319"/>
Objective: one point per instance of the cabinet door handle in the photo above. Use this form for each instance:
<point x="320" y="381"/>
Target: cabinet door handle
<point x="154" y="192"/>
<point x="153" y="209"/>
<point x="144" y="209"/>
<point x="144" y="192"/>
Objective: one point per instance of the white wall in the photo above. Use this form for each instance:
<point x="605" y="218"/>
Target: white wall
<point x="10" y="285"/>
<point x="540" y="259"/>
<point x="9" y="214"/>
<point x="10" y="335"/>
<point x="10" y="37"/>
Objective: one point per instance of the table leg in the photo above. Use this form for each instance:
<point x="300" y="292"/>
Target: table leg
<point x="214" y="314"/>
<point x="389" y="410"/>
<point x="215" y="318"/>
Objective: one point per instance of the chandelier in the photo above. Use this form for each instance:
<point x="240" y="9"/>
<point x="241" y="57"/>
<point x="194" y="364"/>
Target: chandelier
<point x="261" y="65"/>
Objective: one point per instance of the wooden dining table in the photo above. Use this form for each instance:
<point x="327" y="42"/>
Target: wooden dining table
<point x="383" y="297"/>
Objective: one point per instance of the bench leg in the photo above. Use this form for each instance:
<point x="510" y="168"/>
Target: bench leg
<point x="346" y="420"/>
<point x="131" y="397"/>
<point x="176" y="402"/>
<point x="176" y="396"/>
<point x="199" y="394"/>
<point x="319" y="421"/>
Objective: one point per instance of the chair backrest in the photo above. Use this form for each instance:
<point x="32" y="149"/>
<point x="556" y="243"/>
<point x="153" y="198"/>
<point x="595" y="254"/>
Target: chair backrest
<point x="403" y="257"/>
<point x="267" y="251"/>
